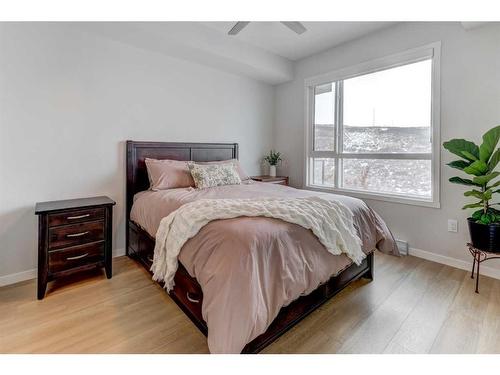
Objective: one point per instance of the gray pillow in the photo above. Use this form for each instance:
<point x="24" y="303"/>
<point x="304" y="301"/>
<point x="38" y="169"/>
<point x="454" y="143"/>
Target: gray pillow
<point x="210" y="175"/>
<point x="243" y="175"/>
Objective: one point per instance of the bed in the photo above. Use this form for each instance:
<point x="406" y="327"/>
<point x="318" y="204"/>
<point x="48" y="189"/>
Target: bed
<point x="145" y="208"/>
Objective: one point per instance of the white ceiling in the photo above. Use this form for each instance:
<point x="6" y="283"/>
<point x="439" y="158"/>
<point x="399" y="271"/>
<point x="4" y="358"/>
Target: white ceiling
<point x="278" y="39"/>
<point x="195" y="42"/>
<point x="263" y="50"/>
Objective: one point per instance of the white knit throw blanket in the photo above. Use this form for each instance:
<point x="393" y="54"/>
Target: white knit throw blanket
<point x="330" y="221"/>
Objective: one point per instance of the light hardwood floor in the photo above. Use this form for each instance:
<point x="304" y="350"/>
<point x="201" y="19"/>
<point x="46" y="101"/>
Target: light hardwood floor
<point x="412" y="306"/>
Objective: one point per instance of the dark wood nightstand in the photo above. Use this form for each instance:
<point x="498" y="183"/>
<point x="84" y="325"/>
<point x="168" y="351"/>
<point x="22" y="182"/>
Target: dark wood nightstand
<point x="73" y="235"/>
<point x="279" y="180"/>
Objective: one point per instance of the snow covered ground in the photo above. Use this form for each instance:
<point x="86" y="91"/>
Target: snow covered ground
<point x="406" y="177"/>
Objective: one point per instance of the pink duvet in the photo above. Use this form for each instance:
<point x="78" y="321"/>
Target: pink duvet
<point x="249" y="268"/>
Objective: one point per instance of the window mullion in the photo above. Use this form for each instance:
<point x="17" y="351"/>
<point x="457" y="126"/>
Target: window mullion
<point x="311" y="116"/>
<point x="339" y="133"/>
<point x="310" y="137"/>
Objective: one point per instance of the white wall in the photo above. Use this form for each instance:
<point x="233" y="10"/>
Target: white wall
<point x="69" y="100"/>
<point x="470" y="105"/>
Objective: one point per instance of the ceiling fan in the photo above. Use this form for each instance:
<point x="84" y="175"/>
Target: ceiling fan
<point x="294" y="26"/>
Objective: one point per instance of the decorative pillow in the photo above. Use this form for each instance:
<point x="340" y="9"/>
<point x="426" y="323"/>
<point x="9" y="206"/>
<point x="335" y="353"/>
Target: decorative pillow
<point x="168" y="174"/>
<point x="243" y="175"/>
<point x="210" y="175"/>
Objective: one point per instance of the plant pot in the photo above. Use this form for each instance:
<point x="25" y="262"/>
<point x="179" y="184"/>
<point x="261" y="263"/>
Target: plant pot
<point x="485" y="236"/>
<point x="272" y="170"/>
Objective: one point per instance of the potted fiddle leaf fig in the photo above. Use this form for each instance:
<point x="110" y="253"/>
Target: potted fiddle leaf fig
<point x="480" y="163"/>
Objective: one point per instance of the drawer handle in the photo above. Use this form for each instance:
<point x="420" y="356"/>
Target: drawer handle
<point x="77" y="217"/>
<point x="77" y="234"/>
<point x="193" y="298"/>
<point x="78" y="257"/>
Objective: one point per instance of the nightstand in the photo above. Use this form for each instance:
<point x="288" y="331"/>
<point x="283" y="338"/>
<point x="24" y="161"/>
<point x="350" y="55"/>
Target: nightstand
<point x="73" y="235"/>
<point x="279" y="180"/>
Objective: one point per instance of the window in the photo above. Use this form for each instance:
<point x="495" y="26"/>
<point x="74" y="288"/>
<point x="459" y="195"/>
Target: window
<point x="372" y="130"/>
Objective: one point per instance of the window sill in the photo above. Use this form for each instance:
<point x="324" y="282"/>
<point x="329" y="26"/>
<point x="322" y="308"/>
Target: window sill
<point x="378" y="197"/>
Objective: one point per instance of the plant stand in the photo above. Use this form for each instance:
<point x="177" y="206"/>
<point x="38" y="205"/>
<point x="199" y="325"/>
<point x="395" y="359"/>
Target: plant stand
<point x="479" y="257"/>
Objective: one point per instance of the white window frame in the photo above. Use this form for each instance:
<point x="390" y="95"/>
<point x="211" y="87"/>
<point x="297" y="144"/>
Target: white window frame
<point x="430" y="51"/>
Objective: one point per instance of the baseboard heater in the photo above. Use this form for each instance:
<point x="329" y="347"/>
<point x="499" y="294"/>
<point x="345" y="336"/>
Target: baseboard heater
<point x="402" y="247"/>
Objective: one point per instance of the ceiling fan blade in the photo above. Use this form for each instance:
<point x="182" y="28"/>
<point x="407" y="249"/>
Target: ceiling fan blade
<point x="295" y="26"/>
<point x="238" y="27"/>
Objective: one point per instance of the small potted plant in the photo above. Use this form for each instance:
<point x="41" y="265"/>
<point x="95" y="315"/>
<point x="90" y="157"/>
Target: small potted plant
<point x="480" y="163"/>
<point x="273" y="158"/>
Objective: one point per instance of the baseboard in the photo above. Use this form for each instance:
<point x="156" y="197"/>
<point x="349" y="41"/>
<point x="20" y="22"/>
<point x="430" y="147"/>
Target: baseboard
<point x="31" y="274"/>
<point x="454" y="262"/>
<point x="17" y="277"/>
<point x="118" y="252"/>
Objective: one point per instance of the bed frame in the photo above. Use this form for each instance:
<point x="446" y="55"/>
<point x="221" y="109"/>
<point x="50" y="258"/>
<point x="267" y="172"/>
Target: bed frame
<point x="187" y="292"/>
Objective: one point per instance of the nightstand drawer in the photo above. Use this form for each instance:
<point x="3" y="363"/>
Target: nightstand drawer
<point x="76" y="256"/>
<point x="71" y="217"/>
<point x="75" y="234"/>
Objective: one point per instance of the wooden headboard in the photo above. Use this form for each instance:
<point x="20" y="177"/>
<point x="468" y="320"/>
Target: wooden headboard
<point x="137" y="152"/>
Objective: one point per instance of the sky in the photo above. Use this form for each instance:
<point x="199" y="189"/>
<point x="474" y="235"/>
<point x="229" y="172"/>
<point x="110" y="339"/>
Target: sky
<point x="395" y="97"/>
